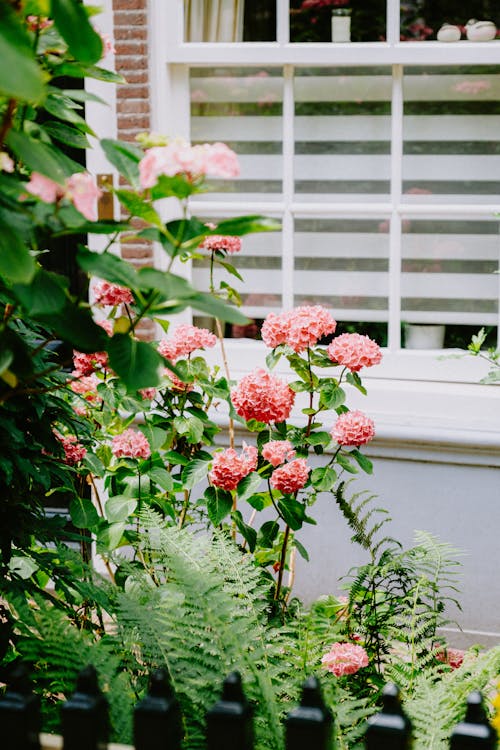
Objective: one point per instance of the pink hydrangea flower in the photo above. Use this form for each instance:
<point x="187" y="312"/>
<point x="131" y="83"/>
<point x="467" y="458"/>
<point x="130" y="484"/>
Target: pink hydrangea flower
<point x="185" y="340"/>
<point x="107" y="325"/>
<point x="130" y="444"/>
<point x="354" y="351"/>
<point x="277" y="452"/>
<point x="300" y="328"/>
<point x="222" y="161"/>
<point x="86" y="364"/>
<point x="107" y="294"/>
<point x="38" y="23"/>
<point x="353" y="428"/>
<point x="229" y="468"/>
<point x="222" y="242"/>
<point x="263" y="397"/>
<point x="454" y="657"/>
<point x="179" y="157"/>
<point x="6" y="163"/>
<point x="345" y="658"/>
<point x="83" y="385"/>
<point x="74" y="452"/>
<point x="176" y="384"/>
<point x="291" y="477"/>
<point x="147" y="394"/>
<point x="108" y="48"/>
<point x="83" y="192"/>
<point x="44" y="188"/>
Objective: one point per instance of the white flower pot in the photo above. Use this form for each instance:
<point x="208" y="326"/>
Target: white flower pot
<point x="424" y="336"/>
<point x="341" y="25"/>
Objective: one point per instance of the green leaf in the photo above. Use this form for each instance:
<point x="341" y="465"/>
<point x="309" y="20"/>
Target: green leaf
<point x="259" y="501"/>
<point x="273" y="358"/>
<point x="246" y="225"/>
<point x="354" y="379"/>
<point x="100" y="74"/>
<point x="44" y="296"/>
<point x="110" y="537"/>
<point x="137" y="363"/>
<point x="138" y="207"/>
<point x="61" y="107"/>
<point x="246" y="531"/>
<point x="66" y="134"/>
<point x="362" y="460"/>
<point x="161" y="477"/>
<point x="293" y="512"/>
<point x="156" y="436"/>
<point x="107" y="266"/>
<point x="125" y="157"/>
<point x="219" y="504"/>
<point x="301" y="549"/>
<point x="172" y="287"/>
<point x="209" y="304"/>
<point x="195" y="471"/>
<point x="119" y="508"/>
<point x="80" y="95"/>
<point x="332" y="396"/>
<point x="6" y="358"/>
<point x="37" y="156"/>
<point x="323" y="478"/>
<point x="231" y="269"/>
<point x="72" y="22"/>
<point x="319" y="438"/>
<point x="20" y="75"/>
<point x="24" y="567"/>
<point x="249" y="485"/>
<point x="190" y="427"/>
<point x="343" y="461"/>
<point x="267" y="534"/>
<point x="174" y="458"/>
<point x="76" y="326"/>
<point x="16" y="263"/>
<point x="83" y="514"/>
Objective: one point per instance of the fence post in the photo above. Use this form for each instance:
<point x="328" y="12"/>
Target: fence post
<point x="20" y="713"/>
<point x="390" y="729"/>
<point x="229" y="721"/>
<point x="474" y="731"/>
<point x="157" y="719"/>
<point x="84" y="717"/>
<point x="311" y="723"/>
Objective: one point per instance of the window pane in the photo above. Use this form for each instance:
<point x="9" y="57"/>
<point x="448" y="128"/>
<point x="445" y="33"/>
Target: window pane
<point x="259" y="263"/>
<point x="311" y="20"/>
<point x="449" y="275"/>
<point x="243" y="108"/>
<point x="452" y="134"/>
<point x="343" y="264"/>
<point x="342" y="134"/>
<point x="422" y="19"/>
<point x="229" y="21"/>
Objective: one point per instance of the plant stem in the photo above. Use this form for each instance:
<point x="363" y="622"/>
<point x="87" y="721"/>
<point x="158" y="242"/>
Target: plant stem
<point x="7" y="120"/>
<point x="90" y="480"/>
<point x="185" y="506"/>
<point x="282" y="563"/>
<point x="311" y="394"/>
<point x="291" y="573"/>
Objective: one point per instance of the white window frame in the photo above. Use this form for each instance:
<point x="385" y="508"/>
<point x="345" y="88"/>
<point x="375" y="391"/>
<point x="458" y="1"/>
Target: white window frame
<point x="442" y="390"/>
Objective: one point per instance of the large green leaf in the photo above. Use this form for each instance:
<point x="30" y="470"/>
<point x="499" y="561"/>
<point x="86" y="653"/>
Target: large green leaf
<point x="16" y="263"/>
<point x="245" y="225"/>
<point x="249" y="485"/>
<point x="293" y="512"/>
<point x="125" y="157"/>
<point x="76" y="326"/>
<point x="119" y="508"/>
<point x="323" y="478"/>
<point x="219" y="504"/>
<point x="170" y="285"/>
<point x="83" y="514"/>
<point x="137" y="363"/>
<point x="44" y="296"/>
<point x="209" y="304"/>
<point x="138" y="207"/>
<point x="37" y="156"/>
<point x="66" y="134"/>
<point x="107" y="266"/>
<point x="72" y="22"/>
<point x="194" y="472"/>
<point x="62" y="107"/>
<point x="20" y="75"/>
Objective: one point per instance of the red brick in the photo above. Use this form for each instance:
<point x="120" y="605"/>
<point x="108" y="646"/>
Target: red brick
<point x="130" y="33"/>
<point x="130" y="253"/>
<point x="130" y="18"/>
<point x="130" y="47"/>
<point x="129" y="122"/>
<point x="133" y="92"/>
<point x="129" y="5"/>
<point x="135" y="77"/>
<point x="132" y="106"/>
<point x="131" y="62"/>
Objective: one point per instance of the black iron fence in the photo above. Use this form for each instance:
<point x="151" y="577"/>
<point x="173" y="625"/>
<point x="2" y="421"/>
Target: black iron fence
<point x="229" y="723"/>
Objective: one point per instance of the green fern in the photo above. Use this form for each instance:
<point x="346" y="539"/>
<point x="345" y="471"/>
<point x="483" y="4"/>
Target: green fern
<point x="365" y="521"/>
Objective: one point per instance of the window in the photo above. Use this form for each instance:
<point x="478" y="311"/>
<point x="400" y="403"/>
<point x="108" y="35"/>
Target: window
<point x="380" y="157"/>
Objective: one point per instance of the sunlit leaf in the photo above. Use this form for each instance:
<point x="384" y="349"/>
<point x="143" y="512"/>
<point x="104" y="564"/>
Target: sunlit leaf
<point x="72" y="22"/>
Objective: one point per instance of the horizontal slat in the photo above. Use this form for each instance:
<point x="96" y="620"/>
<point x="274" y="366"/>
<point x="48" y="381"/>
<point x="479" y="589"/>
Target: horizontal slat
<point x="342" y="283"/>
<point x="244" y="128"/>
<point x="450" y="285"/>
<point x="325" y="245"/>
<point x="451" y="247"/>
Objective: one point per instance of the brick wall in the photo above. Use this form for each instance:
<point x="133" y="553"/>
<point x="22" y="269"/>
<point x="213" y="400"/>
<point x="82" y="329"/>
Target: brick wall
<point x="133" y="111"/>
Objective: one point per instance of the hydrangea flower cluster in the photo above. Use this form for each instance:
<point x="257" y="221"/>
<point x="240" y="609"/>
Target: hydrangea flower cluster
<point x="222" y="242"/>
<point x="353" y="428"/>
<point x="85" y="386"/>
<point x="180" y="157"/>
<point x="454" y="657"/>
<point x="229" y="468"/>
<point x="345" y="658"/>
<point x="300" y="328"/>
<point x="263" y="397"/>
<point x="80" y="189"/>
<point x="74" y="452"/>
<point x="354" y="351"/>
<point x="111" y="295"/>
<point x="130" y="444"/>
<point x="185" y="340"/>
<point x="291" y="477"/>
<point x="277" y="452"/>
